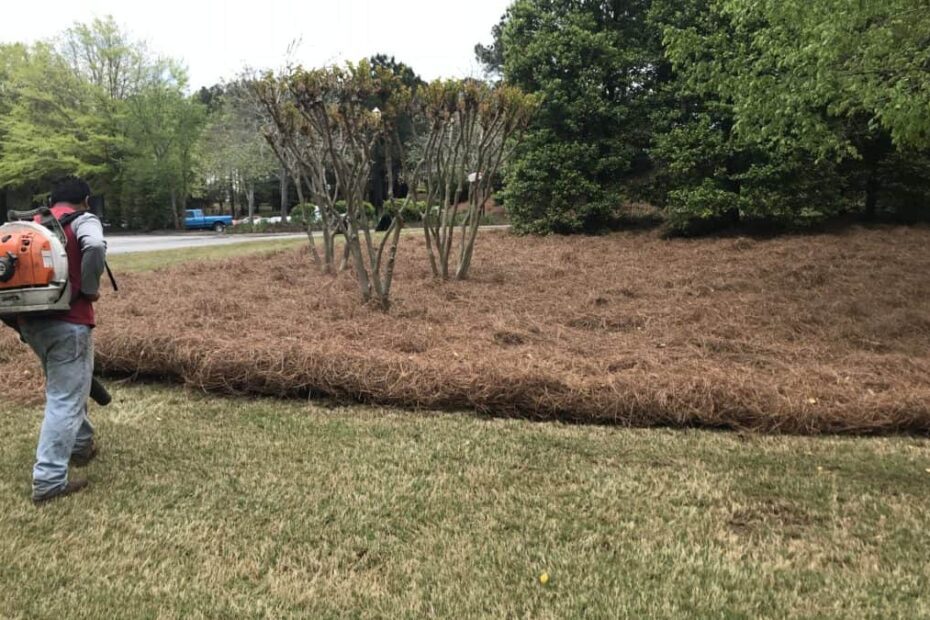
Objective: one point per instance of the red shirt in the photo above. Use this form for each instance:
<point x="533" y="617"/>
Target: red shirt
<point x="82" y="309"/>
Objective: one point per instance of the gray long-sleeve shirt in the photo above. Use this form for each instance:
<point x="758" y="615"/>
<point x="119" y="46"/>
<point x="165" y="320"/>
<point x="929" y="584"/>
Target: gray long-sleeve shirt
<point x="89" y="232"/>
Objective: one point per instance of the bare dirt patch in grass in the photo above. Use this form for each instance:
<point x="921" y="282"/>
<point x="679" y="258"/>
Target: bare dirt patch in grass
<point x="827" y="333"/>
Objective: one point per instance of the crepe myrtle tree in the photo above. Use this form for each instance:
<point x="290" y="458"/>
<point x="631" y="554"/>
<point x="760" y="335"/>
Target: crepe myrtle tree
<point x="472" y="128"/>
<point x="344" y="113"/>
<point x="301" y="157"/>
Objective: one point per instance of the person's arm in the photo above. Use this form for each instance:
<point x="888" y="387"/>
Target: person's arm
<point x="89" y="233"/>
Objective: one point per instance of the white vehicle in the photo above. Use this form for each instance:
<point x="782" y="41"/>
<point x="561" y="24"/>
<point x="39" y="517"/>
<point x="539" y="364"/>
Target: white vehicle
<point x="255" y="219"/>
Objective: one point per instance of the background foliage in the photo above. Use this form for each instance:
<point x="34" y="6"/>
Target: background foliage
<point x="719" y="111"/>
<point x="784" y="113"/>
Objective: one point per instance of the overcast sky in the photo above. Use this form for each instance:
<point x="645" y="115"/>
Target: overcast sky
<point x="217" y="38"/>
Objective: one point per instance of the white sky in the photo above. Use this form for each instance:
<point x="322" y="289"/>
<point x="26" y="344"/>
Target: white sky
<point x="217" y="38"/>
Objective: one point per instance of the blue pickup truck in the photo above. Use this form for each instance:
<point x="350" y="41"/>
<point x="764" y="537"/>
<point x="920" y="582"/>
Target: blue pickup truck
<point x="194" y="219"/>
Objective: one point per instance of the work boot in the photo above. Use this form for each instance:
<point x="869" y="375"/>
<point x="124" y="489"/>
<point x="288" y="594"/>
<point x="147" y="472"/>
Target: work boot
<point x="82" y="458"/>
<point x="73" y="486"/>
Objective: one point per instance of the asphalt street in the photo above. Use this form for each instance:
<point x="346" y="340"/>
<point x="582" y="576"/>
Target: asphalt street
<point x="125" y="244"/>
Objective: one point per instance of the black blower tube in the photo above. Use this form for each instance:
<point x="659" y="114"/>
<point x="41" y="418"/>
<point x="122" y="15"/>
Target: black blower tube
<point x="99" y="393"/>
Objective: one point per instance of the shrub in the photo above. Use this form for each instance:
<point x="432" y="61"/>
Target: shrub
<point x="414" y="212"/>
<point x="549" y="190"/>
<point x="370" y="210"/>
<point x="305" y="214"/>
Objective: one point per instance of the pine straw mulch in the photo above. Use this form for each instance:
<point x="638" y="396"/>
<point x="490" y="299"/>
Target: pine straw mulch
<point x="802" y="334"/>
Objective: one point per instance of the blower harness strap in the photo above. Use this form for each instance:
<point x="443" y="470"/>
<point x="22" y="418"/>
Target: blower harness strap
<point x="68" y="219"/>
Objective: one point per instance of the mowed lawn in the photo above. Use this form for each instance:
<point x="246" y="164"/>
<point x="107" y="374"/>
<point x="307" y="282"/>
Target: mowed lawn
<point x="147" y="261"/>
<point x="226" y="508"/>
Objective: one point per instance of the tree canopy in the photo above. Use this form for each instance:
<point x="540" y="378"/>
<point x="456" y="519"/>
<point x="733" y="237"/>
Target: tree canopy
<point x="100" y="105"/>
<point x="594" y="66"/>
<point x="719" y="111"/>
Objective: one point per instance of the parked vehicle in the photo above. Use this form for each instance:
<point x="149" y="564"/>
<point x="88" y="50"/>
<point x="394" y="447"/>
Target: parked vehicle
<point x="194" y="219"/>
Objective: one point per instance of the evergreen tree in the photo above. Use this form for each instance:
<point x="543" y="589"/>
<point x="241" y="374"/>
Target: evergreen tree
<point x="596" y="66"/>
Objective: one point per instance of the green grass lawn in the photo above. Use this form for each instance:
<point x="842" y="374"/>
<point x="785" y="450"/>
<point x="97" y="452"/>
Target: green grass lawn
<point x="146" y="261"/>
<point x="212" y="507"/>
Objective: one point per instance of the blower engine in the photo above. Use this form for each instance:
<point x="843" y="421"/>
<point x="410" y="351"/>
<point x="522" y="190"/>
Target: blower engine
<point x="33" y="264"/>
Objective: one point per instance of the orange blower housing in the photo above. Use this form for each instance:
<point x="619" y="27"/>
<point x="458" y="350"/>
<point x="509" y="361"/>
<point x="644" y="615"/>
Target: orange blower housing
<point x="33" y="270"/>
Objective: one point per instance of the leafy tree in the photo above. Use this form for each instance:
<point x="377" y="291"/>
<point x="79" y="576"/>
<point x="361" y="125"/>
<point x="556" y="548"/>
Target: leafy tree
<point x="105" y="55"/>
<point x="721" y="111"/>
<point x="164" y="127"/>
<point x="101" y="106"/>
<point x="491" y="56"/>
<point x="234" y="146"/>
<point x="847" y="59"/>
<point x="118" y="69"/>
<point x="381" y="177"/>
<point x="595" y="64"/>
<point x="708" y="174"/>
<point x="212" y="97"/>
<point x="11" y="56"/>
<point x="781" y="111"/>
<point x="854" y="87"/>
<point x="52" y="125"/>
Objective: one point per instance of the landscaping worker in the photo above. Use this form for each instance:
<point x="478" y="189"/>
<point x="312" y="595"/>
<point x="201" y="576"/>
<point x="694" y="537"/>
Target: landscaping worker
<point x="64" y="344"/>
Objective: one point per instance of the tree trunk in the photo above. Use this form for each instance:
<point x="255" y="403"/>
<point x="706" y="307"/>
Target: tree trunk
<point x="355" y="251"/>
<point x="385" y="271"/>
<point x="174" y="209"/>
<point x="427" y="235"/>
<point x="284" y="196"/>
<point x="232" y="198"/>
<point x="300" y="191"/>
<point x="183" y="205"/>
<point x="344" y="263"/>
<point x="469" y="234"/>
<point x="251" y="193"/>
<point x="309" y="223"/>
<point x="328" y="241"/>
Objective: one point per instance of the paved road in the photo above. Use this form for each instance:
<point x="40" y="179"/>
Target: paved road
<point x="124" y="244"/>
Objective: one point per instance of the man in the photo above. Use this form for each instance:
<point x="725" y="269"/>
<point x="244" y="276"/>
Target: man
<point x="64" y="344"/>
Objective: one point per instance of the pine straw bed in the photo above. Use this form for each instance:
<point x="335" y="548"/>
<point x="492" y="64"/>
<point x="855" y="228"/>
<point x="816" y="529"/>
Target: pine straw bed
<point x="804" y="334"/>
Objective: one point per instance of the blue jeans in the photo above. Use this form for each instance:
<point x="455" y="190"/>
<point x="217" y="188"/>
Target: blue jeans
<point x="67" y="354"/>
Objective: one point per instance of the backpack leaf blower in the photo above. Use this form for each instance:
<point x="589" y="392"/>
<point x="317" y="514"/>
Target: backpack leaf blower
<point x="34" y="273"/>
<point x="33" y="265"/>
